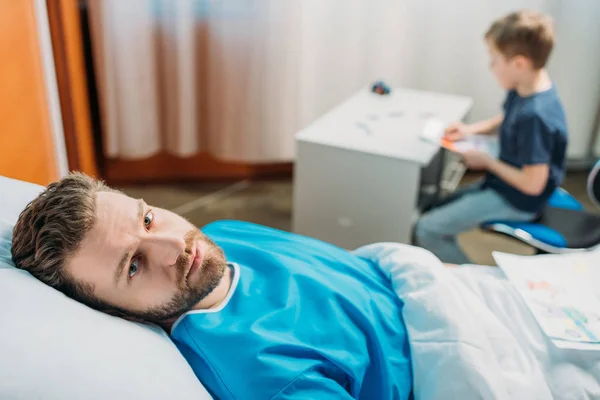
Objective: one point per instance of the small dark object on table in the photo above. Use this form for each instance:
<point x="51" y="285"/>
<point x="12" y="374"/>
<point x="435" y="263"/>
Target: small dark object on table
<point x="381" y="88"/>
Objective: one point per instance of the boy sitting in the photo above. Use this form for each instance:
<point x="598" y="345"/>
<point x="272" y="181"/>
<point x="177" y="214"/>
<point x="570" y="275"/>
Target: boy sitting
<point x="533" y="140"/>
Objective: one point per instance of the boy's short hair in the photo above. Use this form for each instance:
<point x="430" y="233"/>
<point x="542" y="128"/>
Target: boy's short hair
<point x="524" y="33"/>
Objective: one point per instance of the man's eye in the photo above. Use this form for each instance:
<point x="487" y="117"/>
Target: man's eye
<point x="148" y="218"/>
<point x="133" y="267"/>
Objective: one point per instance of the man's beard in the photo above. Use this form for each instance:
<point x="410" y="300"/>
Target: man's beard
<point x="211" y="272"/>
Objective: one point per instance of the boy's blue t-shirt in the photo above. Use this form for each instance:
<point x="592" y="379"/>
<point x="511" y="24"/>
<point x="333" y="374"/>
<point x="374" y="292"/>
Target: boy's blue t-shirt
<point x="534" y="131"/>
<point x="303" y="320"/>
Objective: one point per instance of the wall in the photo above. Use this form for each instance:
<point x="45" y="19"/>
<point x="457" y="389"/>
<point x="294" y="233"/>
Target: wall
<point x="438" y="45"/>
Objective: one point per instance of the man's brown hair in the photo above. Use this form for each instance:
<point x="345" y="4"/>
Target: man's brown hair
<point x="524" y="33"/>
<point x="50" y="230"/>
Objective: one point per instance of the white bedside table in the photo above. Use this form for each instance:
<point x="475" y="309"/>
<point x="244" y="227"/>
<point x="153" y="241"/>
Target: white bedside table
<point x="358" y="172"/>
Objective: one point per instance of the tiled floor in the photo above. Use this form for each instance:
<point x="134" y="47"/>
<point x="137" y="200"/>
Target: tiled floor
<point x="270" y="203"/>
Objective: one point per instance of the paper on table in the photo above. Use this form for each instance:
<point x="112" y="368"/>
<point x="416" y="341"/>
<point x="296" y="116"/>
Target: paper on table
<point x="559" y="290"/>
<point x="488" y="144"/>
<point x="433" y="131"/>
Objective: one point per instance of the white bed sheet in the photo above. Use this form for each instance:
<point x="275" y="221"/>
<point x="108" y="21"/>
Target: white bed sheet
<point x="570" y="374"/>
<point x="472" y="337"/>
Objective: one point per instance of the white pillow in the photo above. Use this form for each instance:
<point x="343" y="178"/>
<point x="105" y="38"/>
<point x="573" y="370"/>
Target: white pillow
<point x="52" y="347"/>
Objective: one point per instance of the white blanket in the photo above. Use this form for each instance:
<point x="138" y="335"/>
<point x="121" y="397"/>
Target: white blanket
<point x="472" y="337"/>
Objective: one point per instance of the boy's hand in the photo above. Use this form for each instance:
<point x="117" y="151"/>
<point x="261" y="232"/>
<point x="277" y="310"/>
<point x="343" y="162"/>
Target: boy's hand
<point x="476" y="159"/>
<point x="457" y="131"/>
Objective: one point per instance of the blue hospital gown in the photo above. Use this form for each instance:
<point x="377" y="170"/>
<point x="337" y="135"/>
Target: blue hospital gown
<point x="303" y="320"/>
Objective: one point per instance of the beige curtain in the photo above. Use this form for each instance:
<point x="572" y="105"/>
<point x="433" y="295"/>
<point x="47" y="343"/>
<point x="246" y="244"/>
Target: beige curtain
<point x="194" y="75"/>
<point x="238" y="78"/>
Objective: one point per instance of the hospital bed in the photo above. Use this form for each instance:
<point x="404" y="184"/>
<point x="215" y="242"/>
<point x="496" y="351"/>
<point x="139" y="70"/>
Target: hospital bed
<point x="54" y="348"/>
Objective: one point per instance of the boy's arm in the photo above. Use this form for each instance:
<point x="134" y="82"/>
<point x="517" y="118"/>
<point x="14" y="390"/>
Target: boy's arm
<point x="459" y="130"/>
<point x="534" y="147"/>
<point x="487" y="126"/>
<point x="531" y="179"/>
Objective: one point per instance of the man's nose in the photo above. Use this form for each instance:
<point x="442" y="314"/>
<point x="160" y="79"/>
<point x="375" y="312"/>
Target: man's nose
<point x="166" y="247"/>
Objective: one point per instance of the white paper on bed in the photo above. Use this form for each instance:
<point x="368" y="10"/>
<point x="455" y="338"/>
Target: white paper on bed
<point x="562" y="294"/>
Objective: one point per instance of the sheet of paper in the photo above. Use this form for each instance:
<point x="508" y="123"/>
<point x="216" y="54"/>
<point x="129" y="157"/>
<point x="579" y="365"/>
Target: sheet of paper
<point x="562" y="293"/>
<point x="433" y="131"/>
<point x="488" y="144"/>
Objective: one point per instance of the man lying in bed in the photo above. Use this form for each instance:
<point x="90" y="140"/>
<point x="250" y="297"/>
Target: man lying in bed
<point x="258" y="313"/>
